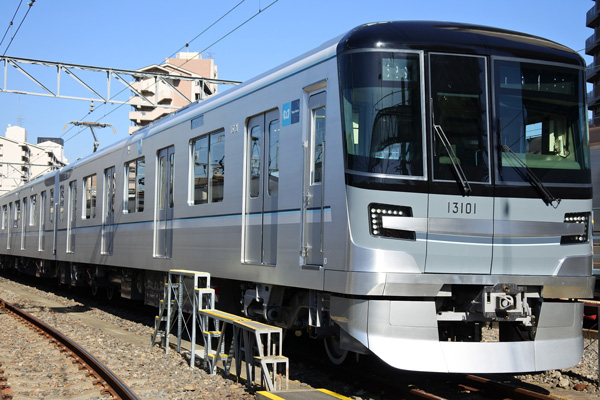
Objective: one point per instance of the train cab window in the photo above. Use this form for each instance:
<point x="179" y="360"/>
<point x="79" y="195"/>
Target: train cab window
<point x="459" y="101"/>
<point x="383" y="113"/>
<point x="33" y="210"/>
<point x="89" y="196"/>
<point x="208" y="168"/>
<point x="17" y="217"/>
<point x="51" y="213"/>
<point x="542" y="122"/>
<point x="135" y="171"/>
<point x="61" y="204"/>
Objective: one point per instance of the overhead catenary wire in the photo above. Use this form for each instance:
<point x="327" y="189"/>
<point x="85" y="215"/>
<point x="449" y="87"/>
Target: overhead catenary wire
<point x="19" y="27"/>
<point x="186" y="45"/>
<point x="10" y="23"/>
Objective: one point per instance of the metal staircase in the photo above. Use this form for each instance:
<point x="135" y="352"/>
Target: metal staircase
<point x="189" y="300"/>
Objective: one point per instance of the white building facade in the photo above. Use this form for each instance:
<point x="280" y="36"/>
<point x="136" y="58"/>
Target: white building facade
<point x="21" y="162"/>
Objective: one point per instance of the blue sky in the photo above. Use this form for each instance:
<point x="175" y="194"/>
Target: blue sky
<point x="134" y="34"/>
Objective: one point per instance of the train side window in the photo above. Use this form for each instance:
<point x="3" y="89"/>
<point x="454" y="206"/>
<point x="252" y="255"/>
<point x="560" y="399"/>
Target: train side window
<point x="51" y="213"/>
<point x="17" y="214"/>
<point x="135" y="171"/>
<point x="73" y="200"/>
<point x="255" y="158"/>
<point x="33" y="210"/>
<point x="208" y="168"/>
<point x="273" y="159"/>
<point x="4" y="216"/>
<point x="318" y="132"/>
<point x="61" y="204"/>
<point x="89" y="193"/>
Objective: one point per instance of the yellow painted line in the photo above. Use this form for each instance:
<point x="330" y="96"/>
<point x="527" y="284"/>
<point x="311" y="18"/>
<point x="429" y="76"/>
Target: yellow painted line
<point x="337" y="396"/>
<point x="560" y="397"/>
<point x="270" y="395"/>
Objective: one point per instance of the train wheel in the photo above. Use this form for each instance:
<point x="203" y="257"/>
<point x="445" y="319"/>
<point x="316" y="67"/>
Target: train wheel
<point x="336" y="354"/>
<point x="110" y="292"/>
<point x="94" y="290"/>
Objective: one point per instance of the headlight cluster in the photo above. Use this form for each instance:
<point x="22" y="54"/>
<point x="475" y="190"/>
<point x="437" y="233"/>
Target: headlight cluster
<point x="378" y="210"/>
<point x="577" y="218"/>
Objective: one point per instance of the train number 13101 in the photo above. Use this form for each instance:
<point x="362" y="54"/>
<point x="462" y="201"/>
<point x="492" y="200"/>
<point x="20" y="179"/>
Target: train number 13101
<point x="455" y="207"/>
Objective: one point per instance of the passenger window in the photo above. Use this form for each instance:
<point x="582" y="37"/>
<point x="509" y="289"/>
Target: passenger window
<point x="4" y="216"/>
<point x="208" y="155"/>
<point x="61" y="204"/>
<point x="255" y="155"/>
<point x="17" y="214"/>
<point x="51" y="213"/>
<point x="89" y="193"/>
<point x="273" y="157"/>
<point x="33" y="213"/>
<point x="318" y="132"/>
<point x="171" y="179"/>
<point x="135" y="171"/>
<point x="73" y="200"/>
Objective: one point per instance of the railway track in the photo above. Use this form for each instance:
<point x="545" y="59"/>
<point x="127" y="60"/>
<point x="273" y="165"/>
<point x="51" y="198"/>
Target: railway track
<point x="64" y="370"/>
<point x="373" y="379"/>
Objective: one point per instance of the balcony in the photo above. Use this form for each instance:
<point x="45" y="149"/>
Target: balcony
<point x="592" y="16"/>
<point x="593" y="100"/>
<point x="148" y="88"/>
<point x="144" y="117"/>
<point x="592" y="72"/>
<point x="591" y="44"/>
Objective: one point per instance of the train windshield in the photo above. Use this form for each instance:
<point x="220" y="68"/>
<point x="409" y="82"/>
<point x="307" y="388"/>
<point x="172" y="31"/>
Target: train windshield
<point x="383" y="112"/>
<point x="542" y="122"/>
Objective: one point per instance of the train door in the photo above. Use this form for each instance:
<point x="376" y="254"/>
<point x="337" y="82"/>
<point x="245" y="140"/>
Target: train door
<point x="461" y="197"/>
<point x="313" y="183"/>
<point x="108" y="210"/>
<point x="262" y="187"/>
<point x="71" y="216"/>
<point x="163" y="223"/>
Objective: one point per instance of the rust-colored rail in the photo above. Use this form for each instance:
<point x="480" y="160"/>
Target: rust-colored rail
<point x="507" y="391"/>
<point x="103" y="376"/>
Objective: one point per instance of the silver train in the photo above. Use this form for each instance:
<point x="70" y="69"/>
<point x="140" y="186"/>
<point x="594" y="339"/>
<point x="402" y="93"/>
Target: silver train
<point x="400" y="190"/>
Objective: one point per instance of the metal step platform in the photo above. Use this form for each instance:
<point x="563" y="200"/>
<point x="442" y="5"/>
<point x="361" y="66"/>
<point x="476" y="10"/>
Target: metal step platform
<point x="311" y="394"/>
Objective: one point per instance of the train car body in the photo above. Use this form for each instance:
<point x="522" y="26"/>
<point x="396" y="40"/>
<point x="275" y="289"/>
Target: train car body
<point x="398" y="190"/>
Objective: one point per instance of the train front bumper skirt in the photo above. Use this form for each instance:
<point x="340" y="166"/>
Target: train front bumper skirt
<point x="404" y="334"/>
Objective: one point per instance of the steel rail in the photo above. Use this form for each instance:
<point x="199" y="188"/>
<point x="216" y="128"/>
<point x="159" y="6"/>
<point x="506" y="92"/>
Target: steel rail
<point x="507" y="391"/>
<point x="116" y="387"/>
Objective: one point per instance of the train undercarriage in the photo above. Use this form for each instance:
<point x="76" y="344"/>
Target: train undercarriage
<point x="461" y="313"/>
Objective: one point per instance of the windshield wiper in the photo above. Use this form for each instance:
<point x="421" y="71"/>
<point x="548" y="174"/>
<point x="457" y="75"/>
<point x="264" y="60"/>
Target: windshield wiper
<point x="532" y="178"/>
<point x="461" y="178"/>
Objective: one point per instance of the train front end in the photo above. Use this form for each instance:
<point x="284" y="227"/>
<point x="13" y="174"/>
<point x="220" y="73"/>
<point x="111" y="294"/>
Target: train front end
<point x="469" y="199"/>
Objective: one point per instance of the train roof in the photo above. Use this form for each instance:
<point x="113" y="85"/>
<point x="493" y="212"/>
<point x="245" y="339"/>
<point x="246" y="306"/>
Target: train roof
<point x="458" y="38"/>
<point x="412" y="35"/>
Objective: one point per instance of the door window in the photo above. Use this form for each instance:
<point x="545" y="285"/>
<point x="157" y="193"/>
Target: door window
<point x="459" y="101"/>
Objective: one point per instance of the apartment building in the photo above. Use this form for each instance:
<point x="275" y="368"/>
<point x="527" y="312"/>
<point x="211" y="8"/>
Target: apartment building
<point x="185" y="64"/>
<point x="21" y="162"/>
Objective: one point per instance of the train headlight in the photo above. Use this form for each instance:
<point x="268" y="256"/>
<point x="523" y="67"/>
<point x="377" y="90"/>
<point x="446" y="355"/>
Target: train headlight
<point x="376" y="213"/>
<point x="577" y="218"/>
